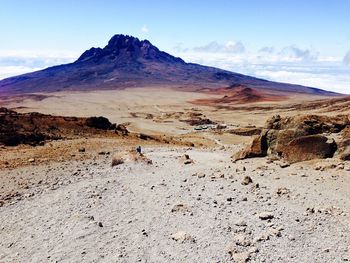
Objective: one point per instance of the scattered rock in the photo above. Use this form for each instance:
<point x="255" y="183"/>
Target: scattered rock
<point x="246" y="180"/>
<point x="282" y="191"/>
<point x="180" y="208"/>
<point x="185" y="159"/>
<point x="130" y="156"/>
<point x="182" y="236"/>
<point x="241" y="257"/>
<point x="266" y="215"/>
<point x="242" y="240"/>
<point x="199" y="175"/>
<point x="283" y="164"/>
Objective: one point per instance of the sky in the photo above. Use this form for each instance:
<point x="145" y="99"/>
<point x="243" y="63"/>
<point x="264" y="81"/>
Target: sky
<point x="299" y="41"/>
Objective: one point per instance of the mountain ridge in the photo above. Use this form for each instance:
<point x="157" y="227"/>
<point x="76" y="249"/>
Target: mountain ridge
<point x="126" y="62"/>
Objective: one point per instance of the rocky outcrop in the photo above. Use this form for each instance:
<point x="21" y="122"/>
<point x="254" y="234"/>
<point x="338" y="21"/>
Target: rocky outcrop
<point x="301" y="138"/>
<point x="309" y="147"/>
<point x="311" y="124"/>
<point x="344" y="145"/>
<point x="101" y="123"/>
<point x="35" y="128"/>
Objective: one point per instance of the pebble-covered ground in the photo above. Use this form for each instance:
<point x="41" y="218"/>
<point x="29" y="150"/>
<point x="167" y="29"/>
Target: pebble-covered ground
<point x="208" y="210"/>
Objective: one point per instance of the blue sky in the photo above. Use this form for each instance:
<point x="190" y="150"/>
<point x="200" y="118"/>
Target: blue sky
<point x="305" y="42"/>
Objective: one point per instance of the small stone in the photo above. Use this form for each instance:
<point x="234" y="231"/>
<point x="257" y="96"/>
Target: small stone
<point x="246" y="180"/>
<point x="100" y="224"/>
<point x="242" y="240"/>
<point x="262" y="237"/>
<point x="253" y="250"/>
<point x="283" y="164"/>
<point x="31" y="160"/>
<point x="182" y="236"/>
<point x="241" y="257"/>
<point x="241" y="222"/>
<point x="185" y="159"/>
<point x="282" y="191"/>
<point x="180" y="208"/>
<point x="274" y="232"/>
<point x="201" y="175"/>
<point x="81" y="150"/>
<point x="265" y="215"/>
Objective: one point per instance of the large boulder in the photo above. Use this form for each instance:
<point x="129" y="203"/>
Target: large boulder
<point x="257" y="148"/>
<point x="301" y="138"/>
<point x="309" y="147"/>
<point x="343" y="143"/>
<point x="283" y="138"/>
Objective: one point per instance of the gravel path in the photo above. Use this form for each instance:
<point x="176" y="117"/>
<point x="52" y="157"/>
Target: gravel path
<point x="171" y="212"/>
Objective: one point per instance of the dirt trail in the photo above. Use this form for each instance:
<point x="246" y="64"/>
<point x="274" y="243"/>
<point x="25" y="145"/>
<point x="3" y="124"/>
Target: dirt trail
<point x="129" y="212"/>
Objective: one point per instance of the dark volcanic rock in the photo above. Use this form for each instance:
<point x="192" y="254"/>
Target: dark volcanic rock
<point x="35" y="128"/>
<point x="101" y="123"/>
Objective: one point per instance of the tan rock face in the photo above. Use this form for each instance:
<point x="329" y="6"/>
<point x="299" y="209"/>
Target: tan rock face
<point x="301" y="138"/>
<point x="344" y="145"/>
<point x="309" y="147"/>
<point x="311" y="124"/>
<point x="257" y="148"/>
<point x="284" y="137"/>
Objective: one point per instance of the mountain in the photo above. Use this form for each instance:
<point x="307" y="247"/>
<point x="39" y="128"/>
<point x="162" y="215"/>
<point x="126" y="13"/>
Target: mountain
<point x="127" y="61"/>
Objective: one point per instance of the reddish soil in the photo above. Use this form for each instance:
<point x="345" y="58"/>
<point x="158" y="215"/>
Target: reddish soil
<point x="239" y="95"/>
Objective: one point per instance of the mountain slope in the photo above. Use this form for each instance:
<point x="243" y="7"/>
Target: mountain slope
<point x="128" y="62"/>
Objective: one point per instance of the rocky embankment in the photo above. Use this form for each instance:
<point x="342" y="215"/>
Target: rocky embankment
<point x="35" y="128"/>
<point x="301" y="138"/>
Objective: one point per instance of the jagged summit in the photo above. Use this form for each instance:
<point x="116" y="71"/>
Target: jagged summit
<point x="127" y="61"/>
<point x="124" y="47"/>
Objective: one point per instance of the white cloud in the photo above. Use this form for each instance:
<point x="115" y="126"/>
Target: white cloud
<point x="293" y="53"/>
<point x="290" y="64"/>
<point x="346" y="58"/>
<point x="144" y="29"/>
<point x="267" y="50"/>
<point x="9" y="71"/>
<point x="15" y="62"/>
<point x="328" y="81"/>
<point x="215" y="47"/>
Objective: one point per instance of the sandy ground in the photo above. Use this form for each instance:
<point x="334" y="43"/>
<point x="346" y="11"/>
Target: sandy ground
<point x="88" y="211"/>
<point x="152" y="110"/>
